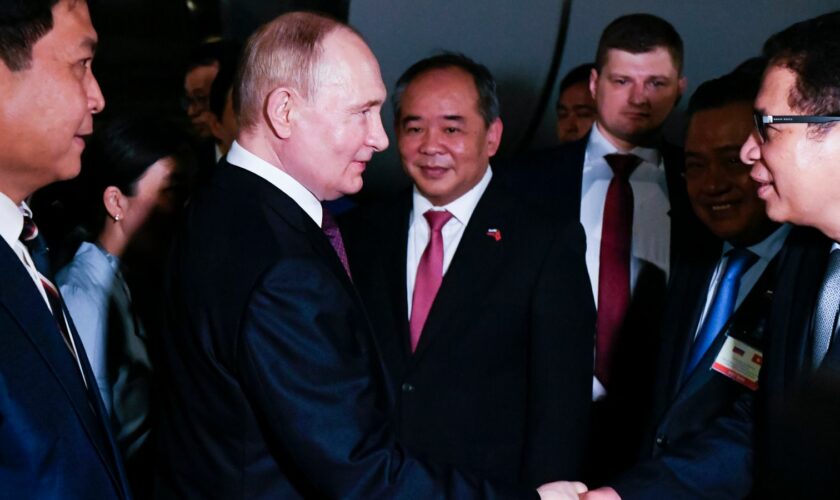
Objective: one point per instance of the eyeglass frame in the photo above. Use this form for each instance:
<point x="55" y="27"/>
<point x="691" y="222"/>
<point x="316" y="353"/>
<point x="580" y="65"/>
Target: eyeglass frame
<point x="761" y="121"/>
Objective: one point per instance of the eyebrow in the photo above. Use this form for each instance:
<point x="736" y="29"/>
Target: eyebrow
<point x="369" y="104"/>
<point x="451" y="118"/>
<point x="89" y="43"/>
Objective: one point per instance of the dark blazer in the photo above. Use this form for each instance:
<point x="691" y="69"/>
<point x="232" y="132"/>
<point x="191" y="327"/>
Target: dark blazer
<point x="701" y="443"/>
<point x="797" y="439"/>
<point x="552" y="179"/>
<point x="54" y="441"/>
<point x="273" y="387"/>
<point x="500" y="383"/>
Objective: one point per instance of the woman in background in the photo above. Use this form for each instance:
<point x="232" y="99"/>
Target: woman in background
<point x="128" y="188"/>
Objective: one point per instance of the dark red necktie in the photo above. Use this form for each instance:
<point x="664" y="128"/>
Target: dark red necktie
<point x="614" y="265"/>
<point x="330" y="228"/>
<point x="429" y="274"/>
<point x="35" y="245"/>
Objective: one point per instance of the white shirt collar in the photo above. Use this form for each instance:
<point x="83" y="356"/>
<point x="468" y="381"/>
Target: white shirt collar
<point x="244" y="159"/>
<point x="11" y="219"/>
<point x="599" y="146"/>
<point x="462" y="208"/>
<point x="767" y="248"/>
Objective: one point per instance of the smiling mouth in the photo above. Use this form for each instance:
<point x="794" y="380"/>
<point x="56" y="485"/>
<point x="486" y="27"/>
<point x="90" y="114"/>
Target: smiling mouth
<point x="720" y="207"/>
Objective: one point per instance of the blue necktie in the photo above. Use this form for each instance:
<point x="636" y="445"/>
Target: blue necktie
<point x="723" y="304"/>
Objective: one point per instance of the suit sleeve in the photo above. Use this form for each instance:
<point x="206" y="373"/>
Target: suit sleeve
<point x="310" y="370"/>
<point x="716" y="464"/>
<point x="562" y="333"/>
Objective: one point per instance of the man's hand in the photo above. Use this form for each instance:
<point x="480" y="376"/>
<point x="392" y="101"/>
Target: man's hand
<point x="605" y="493"/>
<point x="561" y="490"/>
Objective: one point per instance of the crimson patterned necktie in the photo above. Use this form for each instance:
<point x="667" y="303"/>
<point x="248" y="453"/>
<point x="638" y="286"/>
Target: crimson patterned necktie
<point x="330" y="228"/>
<point x="614" y="263"/>
<point x="34" y="243"/>
<point x="429" y="275"/>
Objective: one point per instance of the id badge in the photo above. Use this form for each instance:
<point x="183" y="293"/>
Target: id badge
<point x="740" y="362"/>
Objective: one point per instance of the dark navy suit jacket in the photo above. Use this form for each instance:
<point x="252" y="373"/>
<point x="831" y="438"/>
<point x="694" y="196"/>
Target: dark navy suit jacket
<point x="500" y="383"/>
<point x="274" y="386"/>
<point x="552" y="179"/>
<point x="54" y="441"/>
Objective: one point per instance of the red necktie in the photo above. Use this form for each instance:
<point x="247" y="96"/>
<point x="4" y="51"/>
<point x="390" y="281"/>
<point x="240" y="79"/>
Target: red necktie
<point x="330" y="228"/>
<point x="34" y="243"/>
<point x="614" y="266"/>
<point x="429" y="274"/>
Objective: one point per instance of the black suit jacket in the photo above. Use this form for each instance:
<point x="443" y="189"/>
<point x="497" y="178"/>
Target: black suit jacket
<point x="273" y="384"/>
<point x="552" y="179"/>
<point x="54" y="440"/>
<point x="701" y="443"/>
<point x="797" y="408"/>
<point x="500" y="382"/>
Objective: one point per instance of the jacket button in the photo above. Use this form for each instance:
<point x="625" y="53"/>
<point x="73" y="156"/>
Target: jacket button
<point x="407" y="388"/>
<point x="661" y="440"/>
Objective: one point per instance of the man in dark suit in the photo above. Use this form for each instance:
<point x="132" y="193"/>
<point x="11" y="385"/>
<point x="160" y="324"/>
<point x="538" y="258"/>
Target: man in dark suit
<point x="795" y="152"/>
<point x="492" y="362"/>
<point x="54" y="437"/>
<point x="273" y="383"/>
<point x="720" y="298"/>
<point x="622" y="183"/>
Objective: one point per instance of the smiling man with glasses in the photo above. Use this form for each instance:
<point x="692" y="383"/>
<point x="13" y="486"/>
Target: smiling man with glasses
<point x="795" y="158"/>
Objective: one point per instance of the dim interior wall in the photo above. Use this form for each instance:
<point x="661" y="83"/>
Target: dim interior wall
<point x="516" y="40"/>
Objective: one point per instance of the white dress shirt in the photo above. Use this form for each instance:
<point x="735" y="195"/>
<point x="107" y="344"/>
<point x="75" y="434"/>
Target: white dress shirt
<point x="651" y="238"/>
<point x="11" y="225"/>
<point x="651" y="223"/>
<point x="766" y="250"/>
<point x="244" y="159"/>
<point x="419" y="232"/>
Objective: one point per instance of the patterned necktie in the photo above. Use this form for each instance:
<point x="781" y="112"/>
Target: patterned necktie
<point x="722" y="305"/>
<point x="614" y="262"/>
<point x="429" y="274"/>
<point x="825" y="316"/>
<point x="330" y="228"/>
<point x="36" y="246"/>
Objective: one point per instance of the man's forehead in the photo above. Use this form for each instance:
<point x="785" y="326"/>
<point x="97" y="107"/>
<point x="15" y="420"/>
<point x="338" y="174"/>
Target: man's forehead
<point x="657" y="61"/>
<point x="776" y="87"/>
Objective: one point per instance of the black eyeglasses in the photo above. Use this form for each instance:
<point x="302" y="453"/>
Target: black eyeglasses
<point x="761" y="121"/>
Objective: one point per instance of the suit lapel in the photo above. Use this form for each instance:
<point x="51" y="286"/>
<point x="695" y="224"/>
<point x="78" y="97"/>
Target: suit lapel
<point x="39" y="326"/>
<point x="471" y="271"/>
<point x="695" y="288"/>
<point x="395" y="246"/>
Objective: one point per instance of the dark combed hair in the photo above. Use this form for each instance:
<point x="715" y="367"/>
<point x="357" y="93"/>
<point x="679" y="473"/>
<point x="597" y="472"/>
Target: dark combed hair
<point x="22" y="23"/>
<point x="118" y="154"/>
<point x="637" y="34"/>
<point x="578" y="74"/>
<point x="223" y="52"/>
<point x="488" y="99"/>
<point x="741" y="85"/>
<point x="811" y="49"/>
<point x="223" y="83"/>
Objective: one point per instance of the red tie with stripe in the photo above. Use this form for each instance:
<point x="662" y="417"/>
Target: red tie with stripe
<point x="35" y="245"/>
<point x="614" y="263"/>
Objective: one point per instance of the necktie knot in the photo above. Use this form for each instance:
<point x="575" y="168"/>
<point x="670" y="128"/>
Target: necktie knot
<point x="622" y="165"/>
<point x="740" y="259"/>
<point x="437" y="219"/>
<point x="29" y="231"/>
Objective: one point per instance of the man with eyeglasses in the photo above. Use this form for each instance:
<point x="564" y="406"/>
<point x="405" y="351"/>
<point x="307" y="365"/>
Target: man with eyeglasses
<point x="795" y="154"/>
<point x="720" y="295"/>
